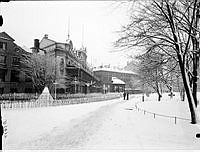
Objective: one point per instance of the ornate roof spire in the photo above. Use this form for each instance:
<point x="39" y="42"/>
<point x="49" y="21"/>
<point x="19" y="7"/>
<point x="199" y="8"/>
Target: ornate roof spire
<point x="82" y="35"/>
<point x="68" y="35"/>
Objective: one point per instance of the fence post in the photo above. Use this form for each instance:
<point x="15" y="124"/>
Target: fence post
<point x="144" y="112"/>
<point x="154" y="115"/>
<point x="10" y="104"/>
<point x="175" y="120"/>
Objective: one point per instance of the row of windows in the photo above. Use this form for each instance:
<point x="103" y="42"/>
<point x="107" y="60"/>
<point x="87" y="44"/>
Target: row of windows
<point x="15" y="76"/>
<point x="15" y="90"/>
<point x="15" y="60"/>
<point x="3" y="45"/>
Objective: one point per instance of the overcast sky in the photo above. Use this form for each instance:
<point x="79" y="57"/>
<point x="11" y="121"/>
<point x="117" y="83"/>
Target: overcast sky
<point x="26" y="21"/>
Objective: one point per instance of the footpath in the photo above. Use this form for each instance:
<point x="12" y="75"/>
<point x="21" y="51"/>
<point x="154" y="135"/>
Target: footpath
<point x="126" y="128"/>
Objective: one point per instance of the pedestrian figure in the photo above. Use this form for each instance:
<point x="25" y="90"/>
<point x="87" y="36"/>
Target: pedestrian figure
<point x="124" y="94"/>
<point x="127" y="96"/>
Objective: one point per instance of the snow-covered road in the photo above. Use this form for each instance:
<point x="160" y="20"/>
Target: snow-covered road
<point x="113" y="124"/>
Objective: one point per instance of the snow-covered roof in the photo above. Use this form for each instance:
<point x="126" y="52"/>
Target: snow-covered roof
<point x="115" y="80"/>
<point x="114" y="70"/>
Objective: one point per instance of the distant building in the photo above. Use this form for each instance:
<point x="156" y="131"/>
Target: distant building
<point x="73" y="74"/>
<point x="11" y="79"/>
<point x="114" y="80"/>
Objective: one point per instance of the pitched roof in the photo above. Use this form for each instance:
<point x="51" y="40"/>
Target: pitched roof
<point x="4" y="35"/>
<point x="114" y="70"/>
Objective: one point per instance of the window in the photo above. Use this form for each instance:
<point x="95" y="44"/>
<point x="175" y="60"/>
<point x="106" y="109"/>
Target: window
<point x="27" y="78"/>
<point x="28" y="90"/>
<point x="1" y="90"/>
<point x="3" y="45"/>
<point x="16" y="61"/>
<point x="13" y="90"/>
<point x="14" y="76"/>
<point x="2" y="59"/>
<point x="2" y="75"/>
<point x="62" y="66"/>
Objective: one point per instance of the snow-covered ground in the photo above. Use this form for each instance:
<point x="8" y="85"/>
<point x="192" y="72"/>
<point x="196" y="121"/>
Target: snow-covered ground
<point x="167" y="106"/>
<point x="113" y="125"/>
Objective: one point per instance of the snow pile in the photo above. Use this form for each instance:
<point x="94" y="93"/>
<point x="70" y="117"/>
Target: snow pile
<point x="45" y="96"/>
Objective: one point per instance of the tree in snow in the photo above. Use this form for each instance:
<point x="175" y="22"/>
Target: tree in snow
<point x="169" y="26"/>
<point x="40" y="69"/>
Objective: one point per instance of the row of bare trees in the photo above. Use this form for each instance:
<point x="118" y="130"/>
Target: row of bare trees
<point x="167" y="32"/>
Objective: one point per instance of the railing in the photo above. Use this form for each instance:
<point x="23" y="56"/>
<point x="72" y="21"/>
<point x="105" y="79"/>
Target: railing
<point x="33" y="103"/>
<point x="161" y="115"/>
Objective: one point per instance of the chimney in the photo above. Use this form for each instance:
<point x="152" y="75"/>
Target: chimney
<point x="46" y="36"/>
<point x="36" y="46"/>
<point x="36" y="43"/>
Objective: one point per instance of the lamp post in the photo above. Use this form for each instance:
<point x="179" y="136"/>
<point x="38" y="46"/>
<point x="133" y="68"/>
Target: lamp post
<point x="143" y="93"/>
<point x="75" y="82"/>
<point x="55" y="83"/>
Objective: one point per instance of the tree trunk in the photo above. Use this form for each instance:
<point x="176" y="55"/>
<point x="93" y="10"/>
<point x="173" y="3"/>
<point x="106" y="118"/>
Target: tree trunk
<point x="159" y="92"/>
<point x="193" y="112"/>
<point x="159" y="97"/>
<point x="195" y="73"/>
<point x="182" y="94"/>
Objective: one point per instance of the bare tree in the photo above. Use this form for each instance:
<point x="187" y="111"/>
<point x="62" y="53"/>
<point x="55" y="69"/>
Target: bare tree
<point x="171" y="26"/>
<point x="40" y="69"/>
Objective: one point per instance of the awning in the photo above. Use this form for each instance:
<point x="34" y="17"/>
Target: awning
<point x="115" y="80"/>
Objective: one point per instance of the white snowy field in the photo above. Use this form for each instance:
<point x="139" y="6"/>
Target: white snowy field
<point x="167" y="106"/>
<point x="107" y="125"/>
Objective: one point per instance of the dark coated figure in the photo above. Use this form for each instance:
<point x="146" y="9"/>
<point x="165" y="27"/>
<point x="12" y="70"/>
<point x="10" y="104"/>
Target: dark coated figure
<point x="127" y="96"/>
<point x="124" y="95"/>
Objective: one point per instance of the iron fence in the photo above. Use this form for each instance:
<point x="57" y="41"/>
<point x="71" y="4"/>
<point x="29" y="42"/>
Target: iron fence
<point x="161" y="115"/>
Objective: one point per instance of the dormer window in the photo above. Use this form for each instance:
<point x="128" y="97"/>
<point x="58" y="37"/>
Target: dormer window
<point x="17" y="49"/>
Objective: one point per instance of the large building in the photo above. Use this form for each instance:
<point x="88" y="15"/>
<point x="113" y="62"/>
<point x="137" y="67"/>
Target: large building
<point x="73" y="74"/>
<point x="12" y="80"/>
<point x="115" y="80"/>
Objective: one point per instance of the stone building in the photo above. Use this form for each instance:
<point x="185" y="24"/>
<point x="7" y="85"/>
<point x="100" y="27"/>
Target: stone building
<point x="73" y="74"/>
<point x="114" y="80"/>
<point x="11" y="79"/>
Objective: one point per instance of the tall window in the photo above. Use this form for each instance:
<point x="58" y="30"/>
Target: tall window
<point x="1" y="90"/>
<point x="27" y="78"/>
<point x="3" y="45"/>
<point x="2" y="75"/>
<point x="16" y="61"/>
<point x="2" y="59"/>
<point x="14" y="76"/>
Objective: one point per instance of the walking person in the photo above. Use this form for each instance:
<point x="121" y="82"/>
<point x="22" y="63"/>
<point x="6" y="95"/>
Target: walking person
<point x="124" y="94"/>
<point x="127" y="96"/>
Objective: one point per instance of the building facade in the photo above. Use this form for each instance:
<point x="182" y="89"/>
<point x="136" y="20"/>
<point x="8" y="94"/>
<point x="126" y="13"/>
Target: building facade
<point x="11" y="79"/>
<point x="114" y="80"/>
<point x="73" y="74"/>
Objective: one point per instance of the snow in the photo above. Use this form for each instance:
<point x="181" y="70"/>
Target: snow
<point x="45" y="96"/>
<point x="113" y="125"/>
<point x="114" y="70"/>
<point x="117" y="81"/>
<point x="168" y="106"/>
